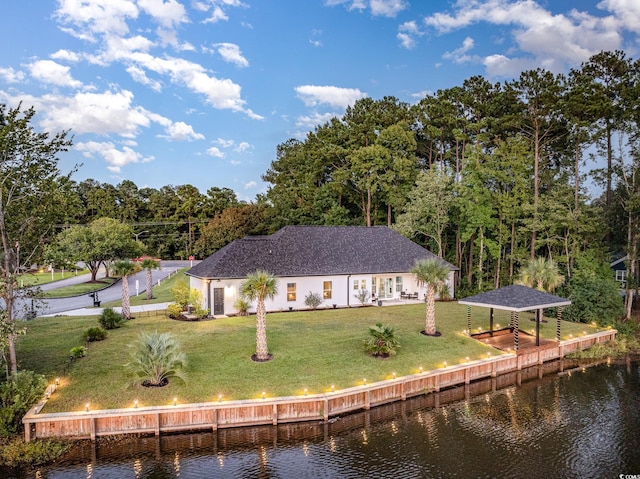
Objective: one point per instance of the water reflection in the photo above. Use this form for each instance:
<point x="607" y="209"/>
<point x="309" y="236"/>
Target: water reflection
<point x="555" y="420"/>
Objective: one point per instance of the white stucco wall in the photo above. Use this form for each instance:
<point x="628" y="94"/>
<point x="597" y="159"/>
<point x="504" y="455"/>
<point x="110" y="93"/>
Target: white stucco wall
<point x="342" y="291"/>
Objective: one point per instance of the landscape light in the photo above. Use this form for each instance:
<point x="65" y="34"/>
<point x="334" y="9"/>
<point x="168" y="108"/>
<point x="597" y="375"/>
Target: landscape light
<point x="57" y="381"/>
<point x="263" y="394"/>
<point x="219" y="397"/>
<point x="175" y="401"/>
<point x="333" y="388"/>
<point x="135" y="403"/>
<point x="365" y="381"/>
<point x="420" y="369"/>
<point x="86" y="407"/>
<point x="393" y="374"/>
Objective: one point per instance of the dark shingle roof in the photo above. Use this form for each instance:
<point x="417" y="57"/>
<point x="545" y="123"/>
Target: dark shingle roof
<point x="515" y="298"/>
<point x="314" y="251"/>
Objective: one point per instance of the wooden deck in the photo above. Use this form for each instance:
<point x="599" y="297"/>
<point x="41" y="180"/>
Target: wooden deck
<point x="503" y="340"/>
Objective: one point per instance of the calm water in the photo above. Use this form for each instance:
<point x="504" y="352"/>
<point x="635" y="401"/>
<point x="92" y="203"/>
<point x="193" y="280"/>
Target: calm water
<point x="553" y="421"/>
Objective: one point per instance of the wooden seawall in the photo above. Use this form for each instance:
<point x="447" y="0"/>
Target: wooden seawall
<point x="314" y="407"/>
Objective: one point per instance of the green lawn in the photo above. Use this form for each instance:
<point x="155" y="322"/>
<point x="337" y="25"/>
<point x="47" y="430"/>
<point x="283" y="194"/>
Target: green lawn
<point x="39" y="278"/>
<point x="311" y="350"/>
<point x="78" y="289"/>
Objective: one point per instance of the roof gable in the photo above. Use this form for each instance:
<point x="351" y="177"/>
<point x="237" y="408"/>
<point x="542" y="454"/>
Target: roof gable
<point x="315" y="251"/>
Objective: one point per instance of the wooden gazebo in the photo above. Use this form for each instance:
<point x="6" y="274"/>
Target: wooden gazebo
<point x="516" y="299"/>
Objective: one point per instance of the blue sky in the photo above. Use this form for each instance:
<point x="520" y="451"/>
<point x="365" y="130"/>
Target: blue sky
<point x="170" y="92"/>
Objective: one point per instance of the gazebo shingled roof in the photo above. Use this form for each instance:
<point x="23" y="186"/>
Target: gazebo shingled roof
<point x="515" y="298"/>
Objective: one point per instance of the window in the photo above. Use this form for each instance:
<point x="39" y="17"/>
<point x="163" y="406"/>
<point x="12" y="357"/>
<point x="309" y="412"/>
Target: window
<point x="291" y="291"/>
<point x="356" y="285"/>
<point x="621" y="275"/>
<point x="363" y="284"/>
<point x="398" y="284"/>
<point x="326" y="287"/>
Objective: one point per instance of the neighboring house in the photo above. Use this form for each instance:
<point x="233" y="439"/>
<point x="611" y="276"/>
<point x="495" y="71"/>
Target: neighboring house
<point x="619" y="267"/>
<point x="334" y="261"/>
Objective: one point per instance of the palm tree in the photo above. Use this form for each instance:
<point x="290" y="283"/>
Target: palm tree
<point x="125" y="269"/>
<point x="382" y="341"/>
<point x="259" y="286"/>
<point x="149" y="265"/>
<point x="431" y="273"/>
<point x="542" y="274"/>
<point x="155" y="358"/>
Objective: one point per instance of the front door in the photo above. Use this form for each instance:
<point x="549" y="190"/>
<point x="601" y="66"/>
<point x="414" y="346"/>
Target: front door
<point x="218" y="301"/>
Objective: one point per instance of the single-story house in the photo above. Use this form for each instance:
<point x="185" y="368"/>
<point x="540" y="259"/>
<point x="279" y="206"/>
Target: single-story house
<point x="336" y="262"/>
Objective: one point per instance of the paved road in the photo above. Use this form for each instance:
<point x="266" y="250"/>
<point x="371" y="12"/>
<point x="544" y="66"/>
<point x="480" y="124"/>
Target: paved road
<point x="51" y="307"/>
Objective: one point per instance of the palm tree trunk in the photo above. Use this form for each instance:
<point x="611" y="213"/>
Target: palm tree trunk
<point x="126" y="305"/>
<point x="262" y="353"/>
<point x="149" y="285"/>
<point x="430" y="323"/>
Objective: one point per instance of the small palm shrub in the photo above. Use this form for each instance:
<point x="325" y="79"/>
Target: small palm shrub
<point x="313" y="300"/>
<point x="156" y="358"/>
<point x="78" y="352"/>
<point x="109" y="319"/>
<point x="95" y="334"/>
<point x="17" y="395"/>
<point x="242" y="306"/>
<point x="382" y="341"/>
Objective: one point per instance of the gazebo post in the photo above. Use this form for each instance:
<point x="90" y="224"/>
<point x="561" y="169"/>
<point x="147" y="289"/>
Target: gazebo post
<point x="558" y="319"/>
<point x="515" y="330"/>
<point x="491" y="322"/>
<point x="538" y="316"/>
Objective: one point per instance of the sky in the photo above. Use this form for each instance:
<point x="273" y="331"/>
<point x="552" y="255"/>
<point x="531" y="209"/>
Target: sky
<point x="201" y="92"/>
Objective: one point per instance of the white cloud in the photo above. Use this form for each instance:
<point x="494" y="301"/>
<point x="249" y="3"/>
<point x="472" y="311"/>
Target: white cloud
<point x="250" y="184"/>
<point x="11" y="76"/>
<point x="309" y="122"/>
<point x="626" y="11"/>
<point x="551" y="41"/>
<point x="243" y="146"/>
<point x="88" y="17"/>
<point x="460" y="54"/>
<point x="114" y="157"/>
<point x="215" y="152"/>
<point x="48" y="71"/>
<point x="225" y="143"/>
<point x="407" y="33"/>
<point x="387" y="8"/>
<point x="334" y="96"/>
<point x="180" y="131"/>
<point x="168" y="13"/>
<point x="231" y="53"/>
<point x="217" y="14"/>
<point x="139" y="75"/>
<point x="101" y="113"/>
<point x="66" y="55"/>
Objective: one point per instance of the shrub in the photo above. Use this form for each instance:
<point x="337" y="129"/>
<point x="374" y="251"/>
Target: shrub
<point x="17" y="395"/>
<point x="242" y="305"/>
<point x="313" y="300"/>
<point x="363" y="296"/>
<point x="78" y="352"/>
<point x="95" y="334"/>
<point x="174" y="310"/>
<point x="156" y="358"/>
<point x="382" y="341"/>
<point x="109" y="319"/>
<point x="19" y="454"/>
